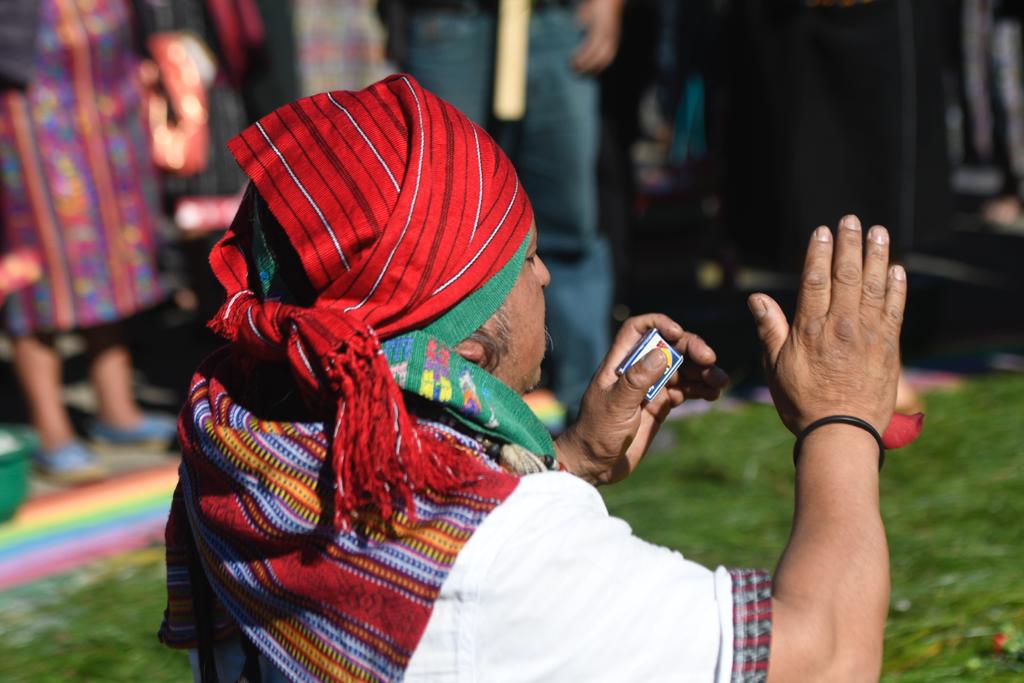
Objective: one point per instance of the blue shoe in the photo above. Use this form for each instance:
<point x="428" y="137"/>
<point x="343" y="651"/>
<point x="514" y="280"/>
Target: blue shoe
<point x="153" y="429"/>
<point x="71" y="463"/>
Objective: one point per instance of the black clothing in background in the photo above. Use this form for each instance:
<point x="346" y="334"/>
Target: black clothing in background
<point x="622" y="86"/>
<point x="836" y="110"/>
<point x="274" y="79"/>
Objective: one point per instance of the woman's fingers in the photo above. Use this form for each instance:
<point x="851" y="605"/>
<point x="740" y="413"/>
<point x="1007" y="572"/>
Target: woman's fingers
<point x="637" y="326"/>
<point x="772" y="327"/>
<point x="690" y="345"/>
<point x="694" y="350"/>
<point x="698" y="372"/>
<point x="713" y="375"/>
<point x="692" y="390"/>
<point x="816" y="279"/>
<point x="895" y="300"/>
<point x="632" y="330"/>
<point x="667" y="399"/>
<point x="847" y="268"/>
<point x="675" y="395"/>
<point x="628" y="392"/>
<point x="876" y="267"/>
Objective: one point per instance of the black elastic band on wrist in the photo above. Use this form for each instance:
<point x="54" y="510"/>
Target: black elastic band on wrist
<point x="845" y="420"/>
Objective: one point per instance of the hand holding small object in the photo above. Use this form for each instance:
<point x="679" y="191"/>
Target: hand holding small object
<point x="616" y="422"/>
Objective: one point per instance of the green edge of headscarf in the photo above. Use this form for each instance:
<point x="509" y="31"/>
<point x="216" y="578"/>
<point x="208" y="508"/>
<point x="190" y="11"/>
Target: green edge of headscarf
<point x="423" y="366"/>
<point x="473" y="311"/>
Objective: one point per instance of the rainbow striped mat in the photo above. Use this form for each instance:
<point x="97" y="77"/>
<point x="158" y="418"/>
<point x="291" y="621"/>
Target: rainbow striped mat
<point x="60" y="531"/>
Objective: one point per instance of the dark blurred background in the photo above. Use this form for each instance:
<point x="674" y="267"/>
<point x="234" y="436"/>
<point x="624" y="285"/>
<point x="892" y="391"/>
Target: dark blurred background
<point x="728" y="130"/>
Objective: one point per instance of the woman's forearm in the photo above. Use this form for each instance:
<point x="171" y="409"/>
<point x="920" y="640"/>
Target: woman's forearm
<point x="831" y="588"/>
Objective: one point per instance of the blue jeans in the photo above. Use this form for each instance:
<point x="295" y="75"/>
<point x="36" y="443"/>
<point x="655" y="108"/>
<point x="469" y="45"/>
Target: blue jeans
<point x="554" y="149"/>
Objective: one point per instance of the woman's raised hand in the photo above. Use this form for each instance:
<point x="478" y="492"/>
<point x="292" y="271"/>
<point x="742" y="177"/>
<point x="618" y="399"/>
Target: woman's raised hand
<point x="841" y="353"/>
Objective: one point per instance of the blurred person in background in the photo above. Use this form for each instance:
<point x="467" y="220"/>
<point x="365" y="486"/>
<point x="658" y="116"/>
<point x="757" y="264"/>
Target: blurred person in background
<point x="992" y="51"/>
<point x="200" y="56"/>
<point x="239" y="60"/>
<point x="689" y="78"/>
<point x="449" y="46"/>
<point x="312" y="46"/>
<point x="339" y="43"/>
<point x="851" y="86"/>
<point x="79" y="187"/>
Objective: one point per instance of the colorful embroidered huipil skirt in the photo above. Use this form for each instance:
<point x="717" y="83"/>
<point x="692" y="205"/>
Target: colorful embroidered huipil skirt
<point x="76" y="182"/>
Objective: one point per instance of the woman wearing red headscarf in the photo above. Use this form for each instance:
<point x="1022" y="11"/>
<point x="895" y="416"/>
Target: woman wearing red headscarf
<point x="363" y="493"/>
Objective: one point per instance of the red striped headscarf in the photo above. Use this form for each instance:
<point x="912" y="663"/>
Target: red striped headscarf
<point x="398" y="207"/>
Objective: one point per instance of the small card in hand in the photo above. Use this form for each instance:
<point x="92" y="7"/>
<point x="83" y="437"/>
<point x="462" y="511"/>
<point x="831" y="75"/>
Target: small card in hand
<point x="651" y="341"/>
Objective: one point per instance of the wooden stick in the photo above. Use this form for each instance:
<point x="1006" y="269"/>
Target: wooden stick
<point x="513" y="44"/>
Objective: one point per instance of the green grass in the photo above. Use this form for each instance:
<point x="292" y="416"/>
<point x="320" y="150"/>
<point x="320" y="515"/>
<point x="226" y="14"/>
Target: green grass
<point x="98" y="624"/>
<point x="721" y="493"/>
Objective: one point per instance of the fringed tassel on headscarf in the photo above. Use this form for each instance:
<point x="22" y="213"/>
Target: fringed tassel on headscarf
<point x="378" y="459"/>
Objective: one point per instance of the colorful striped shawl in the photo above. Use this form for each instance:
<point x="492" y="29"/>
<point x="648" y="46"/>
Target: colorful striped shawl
<point x="320" y="602"/>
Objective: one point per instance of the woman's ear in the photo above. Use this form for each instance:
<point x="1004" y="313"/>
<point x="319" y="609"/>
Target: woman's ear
<point x="472" y="350"/>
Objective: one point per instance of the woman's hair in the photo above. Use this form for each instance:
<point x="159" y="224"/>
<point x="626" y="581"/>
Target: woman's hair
<point x="493" y="336"/>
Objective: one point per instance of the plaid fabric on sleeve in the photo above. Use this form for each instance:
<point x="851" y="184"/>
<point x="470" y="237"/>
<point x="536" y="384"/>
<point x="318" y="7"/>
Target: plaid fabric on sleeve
<point x="751" y="624"/>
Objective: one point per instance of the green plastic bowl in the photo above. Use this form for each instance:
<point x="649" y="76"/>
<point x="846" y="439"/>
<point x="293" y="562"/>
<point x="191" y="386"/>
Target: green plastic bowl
<point x="16" y="446"/>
